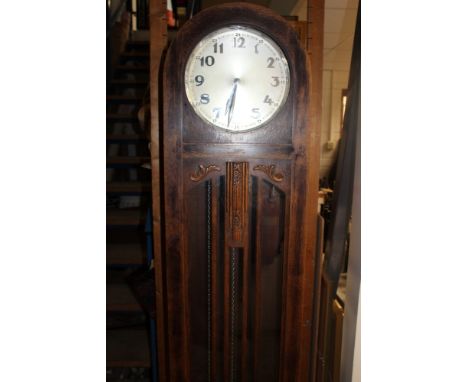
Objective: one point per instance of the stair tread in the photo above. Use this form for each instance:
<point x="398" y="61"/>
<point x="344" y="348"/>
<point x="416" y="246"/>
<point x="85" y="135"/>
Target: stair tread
<point x="129" y="83"/>
<point x="125" y="254"/>
<point x="128" y="348"/>
<point x="132" y="68"/>
<point x="127" y="160"/>
<point x="128" y="187"/>
<point x="121" y="117"/>
<point x="132" y="217"/>
<point x="135" y="54"/>
<point x="119" y="297"/>
<point x="125" y="137"/>
<point x="124" y="98"/>
<point x="138" y="42"/>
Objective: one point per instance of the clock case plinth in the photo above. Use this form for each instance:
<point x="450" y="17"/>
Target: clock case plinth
<point x="239" y="223"/>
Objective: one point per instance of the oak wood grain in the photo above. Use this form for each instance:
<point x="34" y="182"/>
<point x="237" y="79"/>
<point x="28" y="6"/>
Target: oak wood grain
<point x="287" y="148"/>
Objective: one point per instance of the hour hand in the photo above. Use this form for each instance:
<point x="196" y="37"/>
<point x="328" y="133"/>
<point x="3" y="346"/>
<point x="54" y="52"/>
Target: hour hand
<point x="231" y="102"/>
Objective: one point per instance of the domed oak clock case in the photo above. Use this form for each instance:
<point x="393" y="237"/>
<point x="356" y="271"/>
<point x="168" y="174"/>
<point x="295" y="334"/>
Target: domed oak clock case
<point x="240" y="197"/>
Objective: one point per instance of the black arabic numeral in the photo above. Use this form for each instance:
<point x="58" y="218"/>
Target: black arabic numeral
<point x="268" y="100"/>
<point x="215" y="48"/>
<point x="216" y="112"/>
<point x="239" y="42"/>
<point x="277" y="81"/>
<point x="208" y="60"/>
<point x="270" y="61"/>
<point x="255" y="113"/>
<point x="256" y="46"/>
<point x="204" y="98"/>
<point x="199" y="80"/>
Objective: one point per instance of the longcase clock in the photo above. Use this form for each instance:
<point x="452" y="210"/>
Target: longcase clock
<point x="240" y="198"/>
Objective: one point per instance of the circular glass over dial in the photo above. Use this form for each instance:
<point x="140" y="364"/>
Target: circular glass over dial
<point x="237" y="78"/>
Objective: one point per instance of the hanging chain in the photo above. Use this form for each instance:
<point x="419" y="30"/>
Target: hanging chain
<point x="233" y="312"/>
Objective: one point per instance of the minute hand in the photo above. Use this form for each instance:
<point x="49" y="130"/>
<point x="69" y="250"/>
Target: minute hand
<point x="231" y="102"/>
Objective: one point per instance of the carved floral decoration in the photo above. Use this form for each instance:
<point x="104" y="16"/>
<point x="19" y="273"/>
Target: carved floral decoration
<point x="270" y="172"/>
<point x="203" y="171"/>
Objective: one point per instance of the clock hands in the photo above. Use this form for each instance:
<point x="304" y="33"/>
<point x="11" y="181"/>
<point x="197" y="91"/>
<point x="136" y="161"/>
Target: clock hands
<point x="231" y="101"/>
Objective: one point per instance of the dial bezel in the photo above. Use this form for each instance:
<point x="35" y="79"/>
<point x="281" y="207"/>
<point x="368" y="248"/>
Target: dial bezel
<point x="262" y="35"/>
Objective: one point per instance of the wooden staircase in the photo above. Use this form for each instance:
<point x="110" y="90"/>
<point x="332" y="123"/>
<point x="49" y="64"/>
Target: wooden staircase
<point x="128" y="203"/>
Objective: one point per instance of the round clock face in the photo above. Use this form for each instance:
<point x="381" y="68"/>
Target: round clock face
<point x="237" y="78"/>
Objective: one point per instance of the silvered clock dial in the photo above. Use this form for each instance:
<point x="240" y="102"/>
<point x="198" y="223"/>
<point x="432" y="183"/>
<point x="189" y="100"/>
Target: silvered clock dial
<point x="237" y="78"/>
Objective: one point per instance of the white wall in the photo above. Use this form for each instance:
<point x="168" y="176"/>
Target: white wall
<point x="339" y="25"/>
<point x="351" y="344"/>
<point x="334" y="81"/>
<point x="357" y="346"/>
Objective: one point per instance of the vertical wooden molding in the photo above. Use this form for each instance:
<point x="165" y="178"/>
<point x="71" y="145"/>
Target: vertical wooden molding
<point x="258" y="282"/>
<point x="214" y="283"/>
<point x="209" y="289"/>
<point x="236" y="249"/>
<point x="237" y="174"/>
<point x="158" y="38"/>
<point x="227" y="310"/>
<point x="311" y="287"/>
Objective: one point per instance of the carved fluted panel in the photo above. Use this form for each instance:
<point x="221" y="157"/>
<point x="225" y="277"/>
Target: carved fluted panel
<point x="237" y="176"/>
